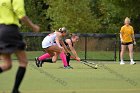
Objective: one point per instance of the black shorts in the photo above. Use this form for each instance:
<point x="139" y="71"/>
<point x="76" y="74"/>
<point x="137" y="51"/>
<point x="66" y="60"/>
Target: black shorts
<point x="11" y="39"/>
<point x="128" y="43"/>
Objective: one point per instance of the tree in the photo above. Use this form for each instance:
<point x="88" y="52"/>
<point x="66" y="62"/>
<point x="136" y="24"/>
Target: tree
<point x="130" y="8"/>
<point x="35" y="11"/>
<point x="73" y="14"/>
<point x="92" y="16"/>
<point x="107" y="14"/>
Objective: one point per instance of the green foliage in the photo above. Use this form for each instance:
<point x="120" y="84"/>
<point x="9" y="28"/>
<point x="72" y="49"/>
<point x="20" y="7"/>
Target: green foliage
<point x="36" y="14"/>
<point x="107" y="14"/>
<point x="83" y="16"/>
<point x="130" y="8"/>
<point x="73" y="14"/>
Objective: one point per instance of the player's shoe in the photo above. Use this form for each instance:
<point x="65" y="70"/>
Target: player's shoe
<point x="122" y="63"/>
<point x="37" y="62"/>
<point x="40" y="63"/>
<point x="132" y="63"/>
<point x="16" y="91"/>
<point x="66" y="67"/>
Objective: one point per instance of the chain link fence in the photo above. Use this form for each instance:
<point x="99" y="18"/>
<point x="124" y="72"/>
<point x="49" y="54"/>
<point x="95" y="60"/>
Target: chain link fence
<point x="101" y="47"/>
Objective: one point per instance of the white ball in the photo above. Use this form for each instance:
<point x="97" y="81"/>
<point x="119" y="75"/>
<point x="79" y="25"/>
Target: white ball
<point x="96" y="65"/>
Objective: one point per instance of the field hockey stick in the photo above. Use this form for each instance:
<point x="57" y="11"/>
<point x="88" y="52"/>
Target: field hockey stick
<point x="89" y="62"/>
<point x="85" y="63"/>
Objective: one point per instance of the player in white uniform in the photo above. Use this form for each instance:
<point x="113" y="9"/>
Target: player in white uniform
<point x="69" y="43"/>
<point x="51" y="45"/>
<point x="49" y="40"/>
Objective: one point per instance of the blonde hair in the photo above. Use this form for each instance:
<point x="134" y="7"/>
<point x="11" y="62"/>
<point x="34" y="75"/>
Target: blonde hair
<point x="127" y="19"/>
<point x="74" y="35"/>
<point x="63" y="29"/>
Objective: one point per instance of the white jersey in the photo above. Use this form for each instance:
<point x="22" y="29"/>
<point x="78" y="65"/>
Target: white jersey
<point x="49" y="40"/>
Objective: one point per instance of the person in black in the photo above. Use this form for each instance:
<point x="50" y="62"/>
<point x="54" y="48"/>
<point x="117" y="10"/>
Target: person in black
<point x="11" y="41"/>
<point x="69" y="43"/>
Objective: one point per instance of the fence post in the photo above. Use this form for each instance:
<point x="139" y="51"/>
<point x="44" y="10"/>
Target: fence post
<point x="119" y="48"/>
<point x="115" y="48"/>
<point x="85" y="47"/>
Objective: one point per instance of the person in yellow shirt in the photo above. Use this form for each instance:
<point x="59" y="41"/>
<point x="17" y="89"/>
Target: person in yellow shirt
<point x="11" y="41"/>
<point x="127" y="39"/>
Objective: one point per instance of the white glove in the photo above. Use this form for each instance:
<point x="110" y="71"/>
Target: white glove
<point x="78" y="59"/>
<point x="134" y="43"/>
<point x="121" y="40"/>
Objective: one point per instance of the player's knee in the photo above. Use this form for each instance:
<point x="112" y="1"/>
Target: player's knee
<point x="23" y="62"/>
<point x="7" y="66"/>
<point x="59" y="51"/>
<point x="54" y="61"/>
<point x="122" y="51"/>
<point x="52" y="54"/>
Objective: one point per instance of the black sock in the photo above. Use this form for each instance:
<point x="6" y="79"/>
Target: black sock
<point x="1" y="70"/>
<point x="68" y="59"/>
<point x="68" y="62"/>
<point x="47" y="60"/>
<point x="19" y="77"/>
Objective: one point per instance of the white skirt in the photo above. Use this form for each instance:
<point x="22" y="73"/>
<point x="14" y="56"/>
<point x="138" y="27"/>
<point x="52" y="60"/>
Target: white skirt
<point x="47" y="42"/>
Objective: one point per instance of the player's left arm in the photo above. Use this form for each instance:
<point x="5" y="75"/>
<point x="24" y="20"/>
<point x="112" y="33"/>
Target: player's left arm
<point x="19" y="10"/>
<point x="133" y="36"/>
<point x="64" y="46"/>
<point x="73" y="49"/>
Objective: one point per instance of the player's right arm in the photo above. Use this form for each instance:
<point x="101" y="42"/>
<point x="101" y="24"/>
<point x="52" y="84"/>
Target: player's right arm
<point x="29" y="23"/>
<point x="121" y="33"/>
<point x="58" y="39"/>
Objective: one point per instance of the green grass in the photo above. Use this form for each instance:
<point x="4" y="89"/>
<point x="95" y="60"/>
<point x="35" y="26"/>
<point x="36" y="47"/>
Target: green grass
<point x="108" y="78"/>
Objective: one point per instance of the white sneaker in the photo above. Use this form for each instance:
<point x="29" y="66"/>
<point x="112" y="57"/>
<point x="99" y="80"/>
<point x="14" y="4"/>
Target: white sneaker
<point x="122" y="63"/>
<point x="132" y="63"/>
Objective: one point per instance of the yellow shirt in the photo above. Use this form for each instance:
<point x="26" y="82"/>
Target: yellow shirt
<point x="10" y="13"/>
<point x="127" y="32"/>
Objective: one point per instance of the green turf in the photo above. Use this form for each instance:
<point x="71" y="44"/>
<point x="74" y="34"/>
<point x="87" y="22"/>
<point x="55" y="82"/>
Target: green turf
<point x="108" y="78"/>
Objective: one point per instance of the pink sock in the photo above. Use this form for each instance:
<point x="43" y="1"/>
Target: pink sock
<point x="44" y="56"/>
<point x="63" y="58"/>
